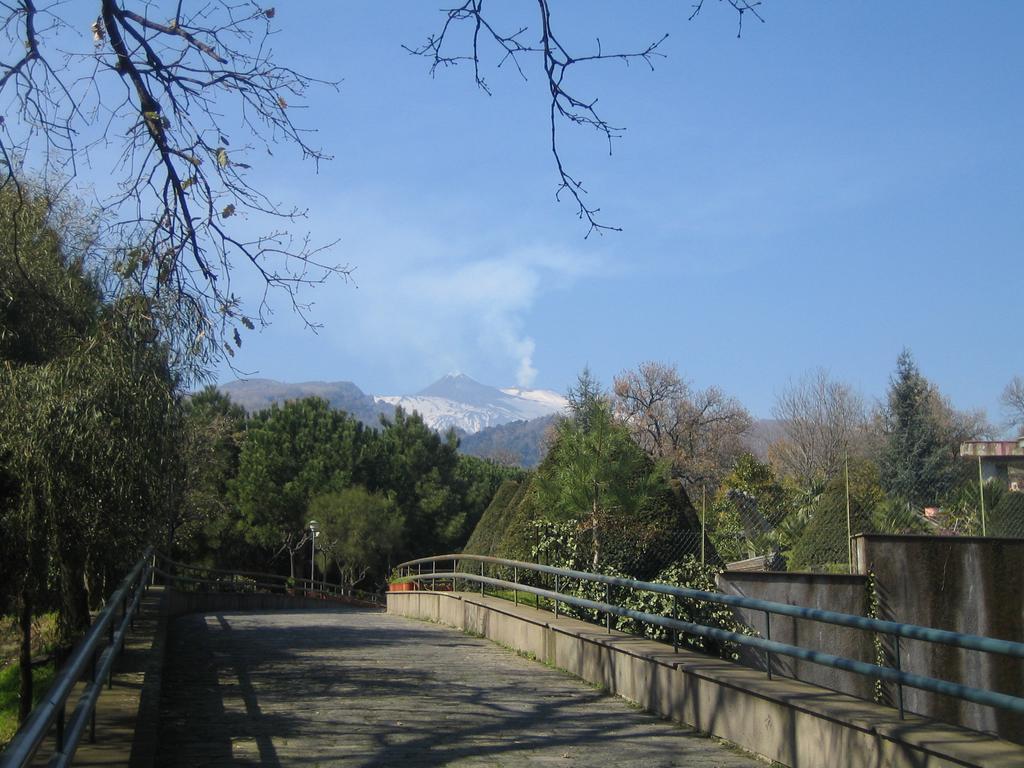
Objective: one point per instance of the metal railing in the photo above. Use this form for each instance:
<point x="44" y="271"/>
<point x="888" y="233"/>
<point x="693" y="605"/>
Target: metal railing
<point x="94" y="659"/>
<point x="226" y="580"/>
<point x="897" y="630"/>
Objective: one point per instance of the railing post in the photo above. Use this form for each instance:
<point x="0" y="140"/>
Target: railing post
<point x="124" y="615"/>
<point x="92" y="717"/>
<point x="60" y="728"/>
<point x="481" y="573"/>
<point x="675" y="617"/>
<point x="899" y="685"/>
<point x="515" y="582"/>
<point x="455" y="578"/>
<point x="110" y="642"/>
<point x="433" y="570"/>
<point x="768" y="636"/>
<point x="556" y="593"/>
<point x="608" y="601"/>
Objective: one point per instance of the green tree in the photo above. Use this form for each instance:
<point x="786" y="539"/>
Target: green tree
<point x="595" y="473"/>
<point x="824" y="542"/>
<point x="477" y="481"/>
<point x="213" y="429"/>
<point x="361" y="533"/>
<point x="748" y="508"/>
<point x="89" y="412"/>
<point x="919" y="460"/>
<point x="419" y="468"/>
<point x="290" y="454"/>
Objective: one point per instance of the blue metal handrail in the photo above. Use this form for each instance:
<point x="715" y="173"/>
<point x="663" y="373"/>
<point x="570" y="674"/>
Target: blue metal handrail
<point x="896" y="629"/>
<point x="95" y="655"/>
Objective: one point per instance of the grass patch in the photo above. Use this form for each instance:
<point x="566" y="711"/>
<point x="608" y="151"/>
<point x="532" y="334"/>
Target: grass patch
<point x="41" y="678"/>
<point x="525" y="598"/>
<point x="44" y="636"/>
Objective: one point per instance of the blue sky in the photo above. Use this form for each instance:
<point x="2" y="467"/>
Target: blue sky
<point x="843" y="181"/>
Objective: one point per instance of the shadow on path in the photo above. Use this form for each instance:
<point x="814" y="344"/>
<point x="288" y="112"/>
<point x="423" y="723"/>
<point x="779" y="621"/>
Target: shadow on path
<point x="366" y="689"/>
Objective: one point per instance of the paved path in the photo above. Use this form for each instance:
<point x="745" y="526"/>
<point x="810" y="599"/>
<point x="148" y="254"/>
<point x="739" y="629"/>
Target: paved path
<point x="356" y="688"/>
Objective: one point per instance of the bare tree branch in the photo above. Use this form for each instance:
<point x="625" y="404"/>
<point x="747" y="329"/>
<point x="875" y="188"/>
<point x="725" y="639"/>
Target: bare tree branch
<point x="167" y="87"/>
<point x="740" y="6"/>
<point x="697" y="431"/>
<point x="1013" y="402"/>
<point x="823" y="422"/>
<point x="566" y="104"/>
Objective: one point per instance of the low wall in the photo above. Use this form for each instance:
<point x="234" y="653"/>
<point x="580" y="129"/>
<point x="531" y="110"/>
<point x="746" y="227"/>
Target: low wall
<point x="794" y="723"/>
<point x="959" y="583"/>
<point x="179" y="603"/>
<point x="843" y="593"/>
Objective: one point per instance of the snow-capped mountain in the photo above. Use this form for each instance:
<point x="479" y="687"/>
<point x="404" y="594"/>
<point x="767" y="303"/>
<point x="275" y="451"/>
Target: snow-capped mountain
<point x="458" y="401"/>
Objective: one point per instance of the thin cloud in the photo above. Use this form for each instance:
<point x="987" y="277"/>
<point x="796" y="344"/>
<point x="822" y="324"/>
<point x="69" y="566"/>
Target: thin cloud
<point x="428" y="306"/>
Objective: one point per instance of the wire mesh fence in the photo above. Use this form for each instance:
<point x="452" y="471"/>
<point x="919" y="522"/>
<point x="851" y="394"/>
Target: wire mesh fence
<point x="762" y="522"/>
<point x="813" y="531"/>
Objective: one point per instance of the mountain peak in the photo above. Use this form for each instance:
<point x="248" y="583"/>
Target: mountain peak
<point x="456" y="400"/>
<point x="458" y="386"/>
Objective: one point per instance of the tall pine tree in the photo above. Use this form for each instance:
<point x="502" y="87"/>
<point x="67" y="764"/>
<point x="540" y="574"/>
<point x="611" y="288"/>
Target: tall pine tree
<point x="918" y="464"/>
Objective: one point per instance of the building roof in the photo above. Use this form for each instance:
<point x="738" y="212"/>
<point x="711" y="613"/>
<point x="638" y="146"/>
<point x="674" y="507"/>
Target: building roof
<point x="993" y="449"/>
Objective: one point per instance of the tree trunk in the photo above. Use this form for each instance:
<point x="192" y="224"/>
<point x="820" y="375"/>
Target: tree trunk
<point x="75" y="614"/>
<point x="593" y="531"/>
<point x="25" y="657"/>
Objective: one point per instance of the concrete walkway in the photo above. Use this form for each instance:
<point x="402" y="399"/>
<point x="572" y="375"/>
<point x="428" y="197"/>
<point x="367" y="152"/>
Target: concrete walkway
<point x="359" y="688"/>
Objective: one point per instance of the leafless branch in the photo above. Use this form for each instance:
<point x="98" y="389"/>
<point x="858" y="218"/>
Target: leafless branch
<point x="740" y="6"/>
<point x="1013" y="402"/>
<point x="166" y="87"/>
<point x="567" y="105"/>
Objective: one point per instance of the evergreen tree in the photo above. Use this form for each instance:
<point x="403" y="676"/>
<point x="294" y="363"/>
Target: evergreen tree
<point x="918" y="461"/>
<point x="594" y="472"/>
<point x="289" y="455"/>
<point x="824" y="541"/>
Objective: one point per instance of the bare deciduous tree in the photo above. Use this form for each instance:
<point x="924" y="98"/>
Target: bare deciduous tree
<point x="185" y="93"/>
<point x="822" y="421"/>
<point x="698" y="431"/>
<point x="1013" y="402"/>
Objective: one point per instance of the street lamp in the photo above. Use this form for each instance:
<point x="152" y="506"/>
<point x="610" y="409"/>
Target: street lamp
<point x="314" y="528"/>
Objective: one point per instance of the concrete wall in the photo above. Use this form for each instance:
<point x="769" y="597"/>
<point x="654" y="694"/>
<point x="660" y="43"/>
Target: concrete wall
<point x="178" y="603"/>
<point x="969" y="585"/>
<point x="843" y="593"/>
<point x="794" y="723"/>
